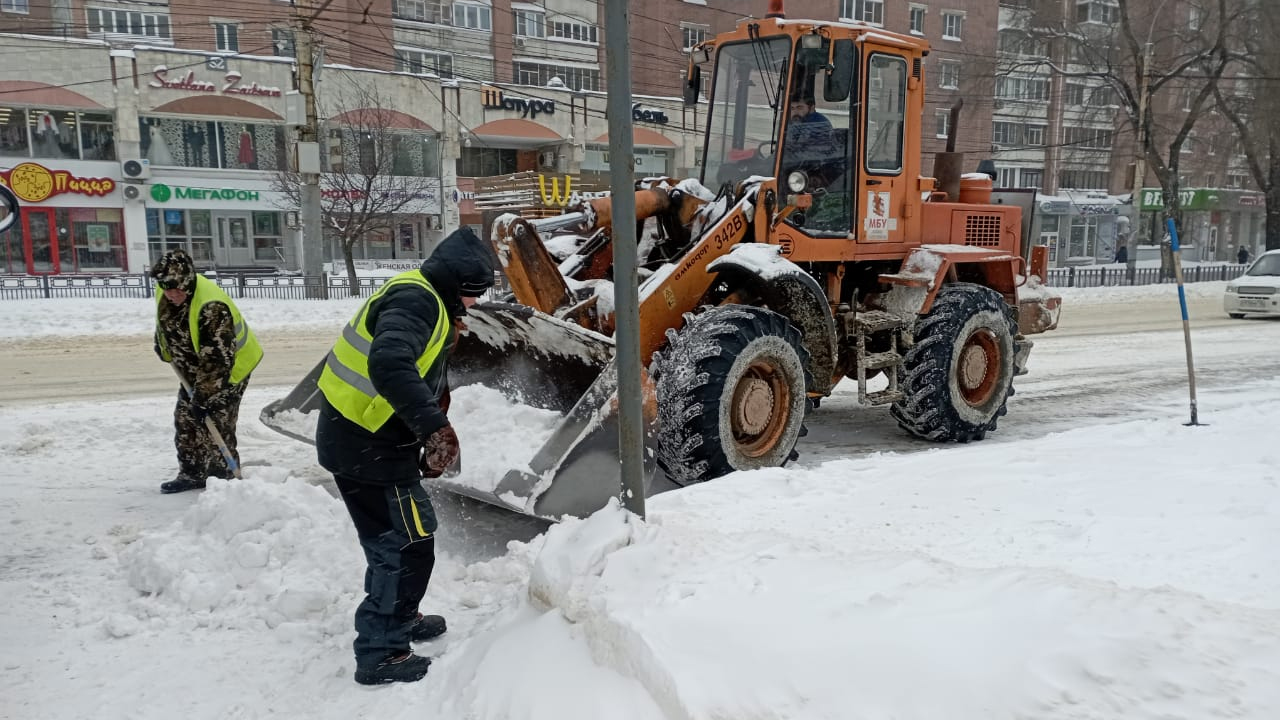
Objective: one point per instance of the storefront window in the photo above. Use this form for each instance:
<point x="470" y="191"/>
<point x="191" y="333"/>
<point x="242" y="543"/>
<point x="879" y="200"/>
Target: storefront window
<point x="404" y="154"/>
<point x="13" y="133"/>
<point x="97" y="238"/>
<point x="56" y="134"/>
<point x="201" y="235"/>
<point x="187" y="230"/>
<point x="1084" y="236"/>
<point x="213" y="144"/>
<point x="267" y="242"/>
<point x="15" y="258"/>
<point x="486" y="162"/>
<point x="53" y="134"/>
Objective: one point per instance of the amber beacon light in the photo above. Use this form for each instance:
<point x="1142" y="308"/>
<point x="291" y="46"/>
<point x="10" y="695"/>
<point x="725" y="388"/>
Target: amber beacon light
<point x="775" y="9"/>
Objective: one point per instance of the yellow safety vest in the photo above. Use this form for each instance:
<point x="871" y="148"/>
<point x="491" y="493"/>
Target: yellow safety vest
<point x="248" y="351"/>
<point x="345" y="378"/>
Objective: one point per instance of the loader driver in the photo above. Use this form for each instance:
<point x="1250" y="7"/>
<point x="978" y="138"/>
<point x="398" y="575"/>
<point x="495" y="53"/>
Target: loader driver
<point x="809" y="144"/>
<point x="382" y="427"/>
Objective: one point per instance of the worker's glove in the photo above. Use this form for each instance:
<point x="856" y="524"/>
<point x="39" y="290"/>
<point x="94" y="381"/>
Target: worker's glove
<point x="199" y="411"/>
<point x="439" y="452"/>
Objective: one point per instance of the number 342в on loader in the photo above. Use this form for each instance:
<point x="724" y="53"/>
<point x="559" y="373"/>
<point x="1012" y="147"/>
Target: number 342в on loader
<point x="821" y="254"/>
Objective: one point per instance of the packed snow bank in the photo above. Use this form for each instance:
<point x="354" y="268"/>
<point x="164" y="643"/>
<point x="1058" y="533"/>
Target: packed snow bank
<point x="1121" y="294"/>
<point x="73" y="317"/>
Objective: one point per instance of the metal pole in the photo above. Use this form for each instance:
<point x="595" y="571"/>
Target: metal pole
<point x="626" y="296"/>
<point x="309" y="148"/>
<point x="1139" y="165"/>
<point x="1186" y="322"/>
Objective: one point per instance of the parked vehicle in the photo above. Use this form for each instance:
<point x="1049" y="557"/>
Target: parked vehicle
<point x="1257" y="291"/>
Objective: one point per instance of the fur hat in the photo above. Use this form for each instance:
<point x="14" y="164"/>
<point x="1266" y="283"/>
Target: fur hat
<point x="175" y="271"/>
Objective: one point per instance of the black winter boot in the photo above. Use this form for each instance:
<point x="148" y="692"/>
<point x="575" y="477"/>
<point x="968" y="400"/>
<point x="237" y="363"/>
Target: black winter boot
<point x="426" y="627"/>
<point x="182" y="483"/>
<point x="397" y="668"/>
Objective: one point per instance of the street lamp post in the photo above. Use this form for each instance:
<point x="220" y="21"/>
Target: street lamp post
<point x="1139" y="163"/>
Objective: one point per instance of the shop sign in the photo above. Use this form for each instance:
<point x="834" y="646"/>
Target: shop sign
<point x="555" y="199"/>
<point x="165" y="193"/>
<point x="1097" y="210"/>
<point x="1251" y="201"/>
<point x="650" y="115"/>
<point x="1199" y="199"/>
<point x="1055" y="207"/>
<point x="232" y="84"/>
<point x="34" y="183"/>
<point x="494" y="99"/>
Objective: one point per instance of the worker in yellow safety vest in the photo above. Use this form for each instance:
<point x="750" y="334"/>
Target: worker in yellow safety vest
<point x="382" y="427"/>
<point x="201" y="332"/>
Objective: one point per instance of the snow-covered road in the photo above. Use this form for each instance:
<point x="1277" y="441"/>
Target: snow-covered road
<point x="1091" y="559"/>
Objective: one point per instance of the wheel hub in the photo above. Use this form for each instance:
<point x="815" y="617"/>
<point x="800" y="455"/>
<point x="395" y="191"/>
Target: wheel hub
<point x="758" y="414"/>
<point x="978" y="367"/>
<point x="754" y="406"/>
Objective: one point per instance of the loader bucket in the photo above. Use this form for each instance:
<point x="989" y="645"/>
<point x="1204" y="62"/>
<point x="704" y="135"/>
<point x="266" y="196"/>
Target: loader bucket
<point x="537" y="360"/>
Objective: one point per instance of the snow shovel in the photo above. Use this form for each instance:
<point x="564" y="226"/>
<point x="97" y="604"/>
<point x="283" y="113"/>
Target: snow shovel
<point x="213" y="430"/>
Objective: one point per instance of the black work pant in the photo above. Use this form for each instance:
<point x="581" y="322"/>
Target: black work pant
<point x="396" y="525"/>
<point x="198" y="455"/>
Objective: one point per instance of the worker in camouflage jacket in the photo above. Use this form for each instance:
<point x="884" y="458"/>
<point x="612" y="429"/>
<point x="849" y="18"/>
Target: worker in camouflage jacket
<point x="200" y="331"/>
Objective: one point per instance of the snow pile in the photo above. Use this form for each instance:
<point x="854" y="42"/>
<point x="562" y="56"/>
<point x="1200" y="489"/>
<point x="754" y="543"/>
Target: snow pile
<point x="764" y="259"/>
<point x="73" y="317"/>
<point x="1117" y="295"/>
<point x="253" y="552"/>
<point x="497" y="434"/>
<point x="297" y="422"/>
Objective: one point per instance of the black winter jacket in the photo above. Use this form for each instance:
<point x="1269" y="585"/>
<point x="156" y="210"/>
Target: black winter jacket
<point x="401" y="322"/>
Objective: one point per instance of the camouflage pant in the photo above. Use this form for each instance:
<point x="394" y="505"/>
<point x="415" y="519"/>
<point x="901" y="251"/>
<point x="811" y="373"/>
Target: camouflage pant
<point x="198" y="454"/>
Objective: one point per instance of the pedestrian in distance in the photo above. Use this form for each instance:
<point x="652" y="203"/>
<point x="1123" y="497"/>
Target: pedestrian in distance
<point x="1122" y="253"/>
<point x="201" y="332"/>
<point x="383" y="426"/>
<point x="1242" y="255"/>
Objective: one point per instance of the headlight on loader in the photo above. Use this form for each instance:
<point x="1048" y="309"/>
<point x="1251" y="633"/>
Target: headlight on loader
<point x="797" y="181"/>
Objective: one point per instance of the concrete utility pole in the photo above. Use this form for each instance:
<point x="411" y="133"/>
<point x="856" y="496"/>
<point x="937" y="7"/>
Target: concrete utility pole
<point x="308" y="148"/>
<point x="626" y="295"/>
<point x="1139" y="163"/>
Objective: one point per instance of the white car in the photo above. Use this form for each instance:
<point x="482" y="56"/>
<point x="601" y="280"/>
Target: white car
<point x="1258" y="290"/>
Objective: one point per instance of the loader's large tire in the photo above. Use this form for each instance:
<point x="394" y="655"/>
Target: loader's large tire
<point x="731" y="393"/>
<point x="960" y="368"/>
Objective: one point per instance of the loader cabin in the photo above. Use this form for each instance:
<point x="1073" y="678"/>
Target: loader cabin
<point x="833" y="110"/>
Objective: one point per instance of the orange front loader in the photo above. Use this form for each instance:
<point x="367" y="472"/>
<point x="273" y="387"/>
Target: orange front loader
<point x="811" y="250"/>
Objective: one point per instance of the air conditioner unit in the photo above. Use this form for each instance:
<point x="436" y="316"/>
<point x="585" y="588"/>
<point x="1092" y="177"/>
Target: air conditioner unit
<point x="132" y="192"/>
<point x="548" y="159"/>
<point x="520" y="42"/>
<point x="136" y="169"/>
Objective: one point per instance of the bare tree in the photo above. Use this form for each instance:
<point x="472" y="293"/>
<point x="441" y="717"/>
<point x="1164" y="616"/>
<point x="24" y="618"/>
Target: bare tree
<point x="1182" y="55"/>
<point x="1253" y="104"/>
<point x="378" y="168"/>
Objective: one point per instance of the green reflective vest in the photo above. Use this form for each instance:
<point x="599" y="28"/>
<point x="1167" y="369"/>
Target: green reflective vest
<point x="345" y="378"/>
<point x="248" y="351"/>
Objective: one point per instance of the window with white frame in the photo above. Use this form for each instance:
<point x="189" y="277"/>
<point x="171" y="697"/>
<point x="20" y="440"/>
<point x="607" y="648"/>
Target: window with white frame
<point x="1033" y="135"/>
<point x="540" y="74"/>
<point x="576" y="31"/>
<point x="915" y="19"/>
<point x="1007" y="177"/>
<point x="1237" y="180"/>
<point x="693" y="34"/>
<point x="422" y="62"/>
<point x="531" y="24"/>
<point x="867" y="11"/>
<point x="128" y="22"/>
<point x="1102" y="96"/>
<point x="949" y="75"/>
<point x="1074" y="94"/>
<point x="1087" y="137"/>
<point x="1096" y="11"/>
<point x="1083" y="179"/>
<point x="226" y="37"/>
<point x="952" y="25"/>
<point x="1014" y="88"/>
<point x="474" y="17"/>
<point x="1031" y="178"/>
<point x="15" y="6"/>
<point x="1210" y="179"/>
<point x="1005" y="133"/>
<point x="416" y="10"/>
<point x="942" y="122"/>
